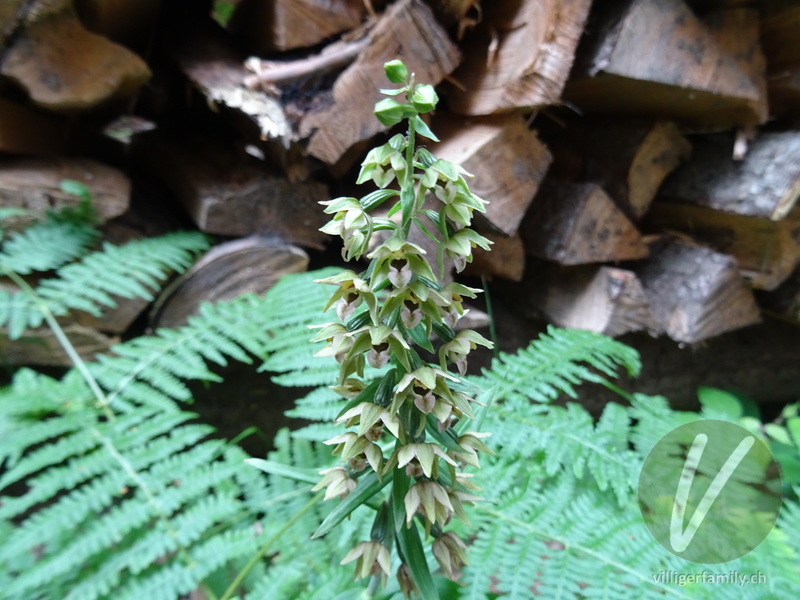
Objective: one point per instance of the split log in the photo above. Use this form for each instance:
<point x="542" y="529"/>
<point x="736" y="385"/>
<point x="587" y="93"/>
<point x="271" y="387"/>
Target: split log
<point x="518" y="57"/>
<point x="780" y="34"/>
<point x="695" y="293"/>
<point x="575" y="224"/>
<point x="207" y="58"/>
<point x="506" y="158"/>
<point x="232" y="195"/>
<point x="766" y="183"/>
<point x="629" y="158"/>
<point x="35" y="185"/>
<point x="602" y="299"/>
<point x="249" y="265"/>
<point x="269" y="25"/>
<point x="407" y="29"/>
<point x="464" y="13"/>
<point x="27" y="131"/>
<point x="506" y="259"/>
<point x="656" y="58"/>
<point x="63" y="66"/>
<point x="765" y="251"/>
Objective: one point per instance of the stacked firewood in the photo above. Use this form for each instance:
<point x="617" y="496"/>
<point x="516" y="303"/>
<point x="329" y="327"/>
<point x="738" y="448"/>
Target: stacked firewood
<point x="640" y="156"/>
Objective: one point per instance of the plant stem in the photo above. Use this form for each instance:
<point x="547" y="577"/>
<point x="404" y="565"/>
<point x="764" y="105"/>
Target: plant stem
<point x="408" y="184"/>
<point x="266" y="546"/>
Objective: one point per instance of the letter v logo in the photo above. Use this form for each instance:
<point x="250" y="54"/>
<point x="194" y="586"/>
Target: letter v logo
<point x="680" y="538"/>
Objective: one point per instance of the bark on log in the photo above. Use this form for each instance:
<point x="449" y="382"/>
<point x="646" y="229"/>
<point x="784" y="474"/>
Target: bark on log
<point x="784" y="301"/>
<point x="506" y="158"/>
<point x="35" y="184"/>
<point x="63" y="66"/>
<point x="765" y="251"/>
<point x="269" y="25"/>
<point x="250" y="265"/>
<point x="518" y="57"/>
<point x="765" y="184"/>
<point x="695" y="293"/>
<point x="656" y="58"/>
<point x="232" y="195"/>
<point x="602" y="299"/>
<point x="407" y="29"/>
<point x="574" y="224"/>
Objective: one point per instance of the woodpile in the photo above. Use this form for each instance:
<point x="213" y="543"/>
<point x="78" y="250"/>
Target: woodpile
<point x="641" y="157"/>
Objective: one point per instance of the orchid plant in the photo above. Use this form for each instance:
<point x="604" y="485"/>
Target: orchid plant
<point x="406" y="427"/>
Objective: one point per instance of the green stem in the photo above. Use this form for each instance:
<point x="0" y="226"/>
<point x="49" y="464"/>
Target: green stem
<point x="408" y="184"/>
<point x="63" y="340"/>
<point x="266" y="546"/>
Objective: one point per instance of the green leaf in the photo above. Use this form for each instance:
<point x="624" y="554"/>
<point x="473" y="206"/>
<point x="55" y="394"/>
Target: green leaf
<point x="407" y="200"/>
<point x="777" y="433"/>
<point x="368" y="486"/>
<point x="793" y="425"/>
<point x="282" y="470"/>
<point x="420" y="337"/>
<point x="376" y="198"/>
<point x="720" y="401"/>
<point x="411" y="547"/>
<point x="76" y="188"/>
<point x="422" y="128"/>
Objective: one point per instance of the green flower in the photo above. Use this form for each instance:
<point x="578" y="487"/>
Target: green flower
<point x="372" y="558"/>
<point x="366" y="415"/>
<point x="337" y="481"/>
<point x="424" y="456"/>
<point x="450" y="552"/>
<point x="431" y="500"/>
<point x="358" y="451"/>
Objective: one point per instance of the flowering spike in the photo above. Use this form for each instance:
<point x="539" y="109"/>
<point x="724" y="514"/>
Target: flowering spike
<point x="387" y="315"/>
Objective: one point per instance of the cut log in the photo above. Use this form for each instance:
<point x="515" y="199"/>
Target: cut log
<point x="407" y="29"/>
<point x="63" y="66"/>
<point x="40" y="346"/>
<point x="656" y="58"/>
<point x="629" y="158"/>
<point x="250" y="265"/>
<point x="602" y="299"/>
<point x="232" y="195"/>
<point x="518" y="57"/>
<point x="780" y="34"/>
<point x="269" y="25"/>
<point x="26" y="131"/>
<point x="506" y="259"/>
<point x="765" y="251"/>
<point x="35" y="184"/>
<point x="695" y="293"/>
<point x="574" y="224"/>
<point x="506" y="158"/>
<point x="765" y="184"/>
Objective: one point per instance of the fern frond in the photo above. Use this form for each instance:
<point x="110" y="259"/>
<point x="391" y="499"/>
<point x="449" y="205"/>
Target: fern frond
<point x="46" y="245"/>
<point x="556" y="362"/>
<point x="133" y="270"/>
